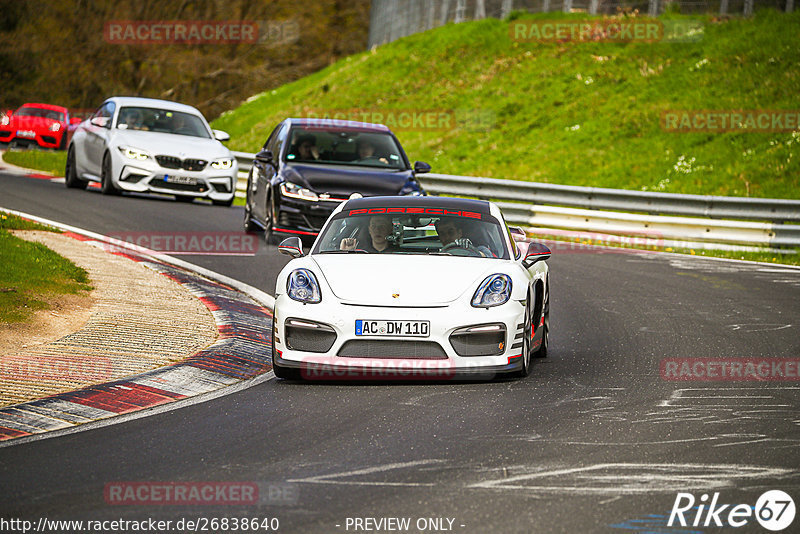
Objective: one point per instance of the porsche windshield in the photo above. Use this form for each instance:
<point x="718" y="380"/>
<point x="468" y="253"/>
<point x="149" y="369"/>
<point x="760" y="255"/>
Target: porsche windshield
<point x="161" y="120"/>
<point x="40" y="112"/>
<point x="404" y="233"/>
<point x="341" y="146"/>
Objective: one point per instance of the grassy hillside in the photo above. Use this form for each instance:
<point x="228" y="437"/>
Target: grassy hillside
<point x="570" y="113"/>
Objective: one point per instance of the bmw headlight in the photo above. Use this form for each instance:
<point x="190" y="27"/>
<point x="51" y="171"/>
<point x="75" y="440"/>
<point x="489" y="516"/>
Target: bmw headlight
<point x="288" y="189"/>
<point x="493" y="291"/>
<point x="302" y="286"/>
<point x="133" y="153"/>
<point x="222" y="164"/>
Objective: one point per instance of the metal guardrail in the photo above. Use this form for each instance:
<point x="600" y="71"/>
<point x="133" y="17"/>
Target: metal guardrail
<point x="691" y="218"/>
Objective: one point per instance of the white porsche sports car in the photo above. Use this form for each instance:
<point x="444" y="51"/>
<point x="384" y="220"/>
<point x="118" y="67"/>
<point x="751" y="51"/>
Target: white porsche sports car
<point x="411" y="288"/>
<point x="148" y="145"/>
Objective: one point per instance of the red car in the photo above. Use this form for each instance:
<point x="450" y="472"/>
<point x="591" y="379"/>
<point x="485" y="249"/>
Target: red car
<point x="37" y="124"/>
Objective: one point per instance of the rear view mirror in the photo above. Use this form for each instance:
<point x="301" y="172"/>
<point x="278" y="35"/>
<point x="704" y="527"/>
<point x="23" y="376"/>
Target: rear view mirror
<point x="291" y="246"/>
<point x="536" y="252"/>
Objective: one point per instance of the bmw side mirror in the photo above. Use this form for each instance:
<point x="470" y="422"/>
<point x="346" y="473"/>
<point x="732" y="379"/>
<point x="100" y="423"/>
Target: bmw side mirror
<point x="420" y="167"/>
<point x="536" y="252"/>
<point x="291" y="246"/>
<point x="102" y="122"/>
<point x="219" y="135"/>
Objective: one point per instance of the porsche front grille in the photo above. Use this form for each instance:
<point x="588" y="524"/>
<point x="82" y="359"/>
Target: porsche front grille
<point x="388" y="348"/>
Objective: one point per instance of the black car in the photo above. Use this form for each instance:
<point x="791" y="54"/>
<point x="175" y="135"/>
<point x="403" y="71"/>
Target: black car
<point x="307" y="167"/>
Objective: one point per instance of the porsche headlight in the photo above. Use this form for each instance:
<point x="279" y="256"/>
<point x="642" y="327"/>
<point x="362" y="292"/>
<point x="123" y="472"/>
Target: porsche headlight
<point x="493" y="291"/>
<point x="133" y="153"/>
<point x="222" y="164"/>
<point x="55" y="127"/>
<point x="302" y="286"/>
<point x="288" y="189"/>
<point x="4" y="120"/>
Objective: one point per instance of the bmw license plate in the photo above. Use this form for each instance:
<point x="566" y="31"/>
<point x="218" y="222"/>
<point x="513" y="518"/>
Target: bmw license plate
<point x="367" y="327"/>
<point x="185" y="180"/>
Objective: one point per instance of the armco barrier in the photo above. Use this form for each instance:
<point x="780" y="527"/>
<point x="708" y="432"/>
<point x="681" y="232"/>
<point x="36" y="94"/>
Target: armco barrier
<point x="534" y="205"/>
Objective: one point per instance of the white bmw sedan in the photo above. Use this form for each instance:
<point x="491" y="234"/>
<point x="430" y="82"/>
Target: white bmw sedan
<point x="147" y="145"/>
<point x="411" y="288"/>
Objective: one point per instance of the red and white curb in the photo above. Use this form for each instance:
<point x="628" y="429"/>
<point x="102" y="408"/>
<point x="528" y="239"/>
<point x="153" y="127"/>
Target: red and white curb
<point x="242" y="352"/>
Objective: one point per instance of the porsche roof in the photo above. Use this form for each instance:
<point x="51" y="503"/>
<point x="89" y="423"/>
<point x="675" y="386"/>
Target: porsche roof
<point x="447" y="203"/>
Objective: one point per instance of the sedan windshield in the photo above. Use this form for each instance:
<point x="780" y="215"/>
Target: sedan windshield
<point x="403" y="233"/>
<point x="341" y="146"/>
<point x="160" y="120"/>
<point x="40" y="112"/>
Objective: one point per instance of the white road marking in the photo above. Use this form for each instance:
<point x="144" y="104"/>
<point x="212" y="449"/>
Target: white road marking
<point x="330" y="479"/>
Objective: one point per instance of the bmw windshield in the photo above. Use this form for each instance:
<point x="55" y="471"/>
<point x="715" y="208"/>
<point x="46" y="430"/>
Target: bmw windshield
<point x="161" y="120"/>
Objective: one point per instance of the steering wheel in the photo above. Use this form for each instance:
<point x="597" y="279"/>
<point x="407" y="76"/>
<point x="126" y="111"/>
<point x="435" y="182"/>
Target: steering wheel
<point x="462" y="244"/>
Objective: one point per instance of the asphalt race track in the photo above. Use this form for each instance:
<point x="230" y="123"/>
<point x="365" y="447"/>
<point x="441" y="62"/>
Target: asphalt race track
<point x="595" y="440"/>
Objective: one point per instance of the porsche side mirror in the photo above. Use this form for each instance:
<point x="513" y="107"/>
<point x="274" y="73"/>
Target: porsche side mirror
<point x="75" y="120"/>
<point x="219" y="135"/>
<point x="536" y="252"/>
<point x="291" y="246"/>
<point x="420" y="167"/>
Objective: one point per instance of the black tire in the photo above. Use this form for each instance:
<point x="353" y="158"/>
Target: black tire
<point x="249" y="225"/>
<point x="526" y="341"/>
<point x="71" y="179"/>
<point x="226" y="203"/>
<point x="269" y="235"/>
<point x="106" y="185"/>
<point x="287" y="373"/>
<point x="541" y="352"/>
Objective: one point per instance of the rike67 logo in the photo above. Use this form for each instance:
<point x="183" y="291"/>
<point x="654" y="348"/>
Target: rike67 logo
<point x="774" y="510"/>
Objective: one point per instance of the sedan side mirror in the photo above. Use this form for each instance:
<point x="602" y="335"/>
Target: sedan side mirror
<point x="102" y="122"/>
<point x="536" y="252"/>
<point x="291" y="246"/>
<point x="420" y="167"/>
<point x="219" y="135"/>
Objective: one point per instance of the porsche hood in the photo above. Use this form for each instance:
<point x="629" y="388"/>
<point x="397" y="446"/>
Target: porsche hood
<point x="401" y="281"/>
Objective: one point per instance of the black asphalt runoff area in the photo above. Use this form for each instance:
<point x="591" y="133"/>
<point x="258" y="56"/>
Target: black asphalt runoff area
<point x="595" y="440"/>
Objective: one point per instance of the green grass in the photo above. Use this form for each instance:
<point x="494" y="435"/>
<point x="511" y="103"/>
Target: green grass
<point x="52" y="162"/>
<point x="569" y="113"/>
<point x="32" y="275"/>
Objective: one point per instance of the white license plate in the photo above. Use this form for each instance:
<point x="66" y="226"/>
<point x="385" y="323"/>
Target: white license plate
<point x="368" y="327"/>
<point x="186" y="180"/>
<point x="26" y="133"/>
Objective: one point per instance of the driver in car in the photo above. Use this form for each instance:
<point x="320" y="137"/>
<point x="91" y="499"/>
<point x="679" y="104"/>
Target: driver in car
<point x="380" y="228"/>
<point x="452" y="236"/>
<point x="366" y="151"/>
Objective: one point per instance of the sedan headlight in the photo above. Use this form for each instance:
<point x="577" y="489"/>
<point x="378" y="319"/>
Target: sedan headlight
<point x="56" y="126"/>
<point x="222" y="164"/>
<point x="493" y="291"/>
<point x="288" y="189"/>
<point x="302" y="286"/>
<point x="133" y="153"/>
